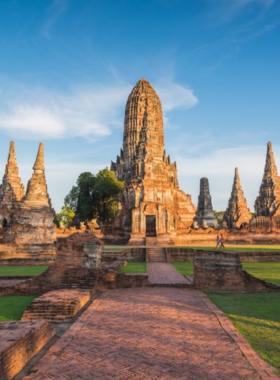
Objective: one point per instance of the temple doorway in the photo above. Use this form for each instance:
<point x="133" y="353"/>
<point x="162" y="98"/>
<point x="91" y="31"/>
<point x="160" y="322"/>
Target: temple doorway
<point x="151" y="229"/>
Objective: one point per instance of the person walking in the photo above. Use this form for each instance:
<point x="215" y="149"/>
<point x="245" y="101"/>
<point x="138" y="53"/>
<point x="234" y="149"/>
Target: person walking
<point x="222" y="240"/>
<point x="218" y="242"/>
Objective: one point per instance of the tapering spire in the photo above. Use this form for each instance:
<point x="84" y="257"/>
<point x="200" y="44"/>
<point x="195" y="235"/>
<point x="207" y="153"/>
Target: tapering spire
<point x="37" y="193"/>
<point x="236" y="176"/>
<point x="268" y="201"/>
<point x="39" y="163"/>
<point x="12" y="188"/>
<point x="237" y="212"/>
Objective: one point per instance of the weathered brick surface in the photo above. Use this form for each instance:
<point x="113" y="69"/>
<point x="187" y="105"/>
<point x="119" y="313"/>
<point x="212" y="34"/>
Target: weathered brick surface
<point x="19" y="342"/>
<point x="56" y="305"/>
<point x="216" y="271"/>
<point x="151" y="333"/>
<point x="187" y="254"/>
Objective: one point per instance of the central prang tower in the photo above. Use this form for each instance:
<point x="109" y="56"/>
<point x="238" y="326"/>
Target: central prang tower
<point x="152" y="205"/>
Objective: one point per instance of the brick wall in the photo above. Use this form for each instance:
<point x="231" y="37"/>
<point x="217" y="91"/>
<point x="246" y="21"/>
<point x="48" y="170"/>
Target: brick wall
<point x="19" y="343"/>
<point x="187" y="254"/>
<point x="220" y="271"/>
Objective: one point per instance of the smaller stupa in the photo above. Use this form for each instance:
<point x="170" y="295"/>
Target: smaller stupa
<point x="204" y="216"/>
<point x="268" y="201"/>
<point x="32" y="222"/>
<point x="11" y="190"/>
<point x="237" y="212"/>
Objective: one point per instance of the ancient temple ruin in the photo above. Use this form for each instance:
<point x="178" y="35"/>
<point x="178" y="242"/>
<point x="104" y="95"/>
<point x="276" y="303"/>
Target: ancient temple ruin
<point x="12" y="190"/>
<point x="152" y="205"/>
<point x="237" y="212"/>
<point x="204" y="216"/>
<point x="268" y="201"/>
<point x="32" y="221"/>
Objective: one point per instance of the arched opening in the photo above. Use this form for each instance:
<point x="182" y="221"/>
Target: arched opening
<point x="5" y="223"/>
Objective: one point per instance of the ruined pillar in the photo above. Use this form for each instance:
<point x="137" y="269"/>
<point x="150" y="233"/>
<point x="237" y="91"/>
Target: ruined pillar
<point x="204" y="216"/>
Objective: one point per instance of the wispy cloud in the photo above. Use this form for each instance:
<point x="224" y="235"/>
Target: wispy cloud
<point x="90" y="111"/>
<point x="174" y="95"/>
<point x="55" y="11"/>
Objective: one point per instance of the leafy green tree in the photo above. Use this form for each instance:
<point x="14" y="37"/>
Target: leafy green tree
<point x="65" y="216"/>
<point x="95" y="197"/>
<point x="219" y="216"/>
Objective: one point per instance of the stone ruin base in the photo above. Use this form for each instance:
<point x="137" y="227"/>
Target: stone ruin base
<point x="57" y="305"/>
<point x="19" y="343"/>
<point x="222" y="271"/>
<point x="27" y="254"/>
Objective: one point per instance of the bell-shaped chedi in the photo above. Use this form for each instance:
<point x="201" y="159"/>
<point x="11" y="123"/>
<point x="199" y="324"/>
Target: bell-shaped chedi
<point x="204" y="216"/>
<point x="237" y="212"/>
<point x="32" y="223"/>
<point x="151" y="203"/>
<point x="12" y="189"/>
<point x="268" y="201"/>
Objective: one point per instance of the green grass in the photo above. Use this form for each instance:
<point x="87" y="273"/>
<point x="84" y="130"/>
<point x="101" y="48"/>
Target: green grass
<point x="257" y="317"/>
<point x="266" y="271"/>
<point x="114" y="249"/>
<point x="185" y="268"/>
<point x="22" y="270"/>
<point x="12" y="307"/>
<point x="238" y="248"/>
<point x="134" y="267"/>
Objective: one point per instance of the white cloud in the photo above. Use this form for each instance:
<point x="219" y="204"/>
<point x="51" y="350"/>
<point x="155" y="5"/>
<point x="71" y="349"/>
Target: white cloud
<point x="84" y="111"/>
<point x="218" y="166"/>
<point x="174" y="95"/>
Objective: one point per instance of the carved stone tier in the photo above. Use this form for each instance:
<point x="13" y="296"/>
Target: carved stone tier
<point x="204" y="216"/>
<point x="237" y="212"/>
<point x="32" y="223"/>
<point x="268" y="201"/>
<point x="11" y="190"/>
<point x="151" y="202"/>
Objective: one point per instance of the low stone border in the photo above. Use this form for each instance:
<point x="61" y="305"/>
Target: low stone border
<point x="264" y="370"/>
<point x="19" y="343"/>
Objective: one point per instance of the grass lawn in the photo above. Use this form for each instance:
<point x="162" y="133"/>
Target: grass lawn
<point x="134" y="267"/>
<point x="12" y="307"/>
<point x="257" y="317"/>
<point x="238" y="248"/>
<point x="266" y="271"/>
<point x="114" y="249"/>
<point x="185" y="268"/>
<point x="22" y="270"/>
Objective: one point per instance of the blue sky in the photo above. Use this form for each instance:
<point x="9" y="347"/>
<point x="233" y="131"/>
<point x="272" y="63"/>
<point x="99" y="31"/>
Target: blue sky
<point x="68" y="66"/>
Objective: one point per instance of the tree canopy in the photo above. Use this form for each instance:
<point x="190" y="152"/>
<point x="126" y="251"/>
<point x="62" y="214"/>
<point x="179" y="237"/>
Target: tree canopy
<point x="95" y="196"/>
<point x="65" y="216"/>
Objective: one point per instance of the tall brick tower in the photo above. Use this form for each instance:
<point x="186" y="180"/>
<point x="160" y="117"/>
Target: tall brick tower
<point x="152" y="205"/>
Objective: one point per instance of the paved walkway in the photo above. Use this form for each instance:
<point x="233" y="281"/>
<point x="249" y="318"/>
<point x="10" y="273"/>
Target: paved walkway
<point x="165" y="274"/>
<point x="149" y="333"/>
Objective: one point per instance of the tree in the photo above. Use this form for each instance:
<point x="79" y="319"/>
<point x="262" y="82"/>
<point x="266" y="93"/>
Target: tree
<point x="219" y="216"/>
<point x="65" y="216"/>
<point x="95" y="197"/>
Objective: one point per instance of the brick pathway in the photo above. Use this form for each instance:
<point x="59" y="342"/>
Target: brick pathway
<point x="165" y="274"/>
<point x="147" y="333"/>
